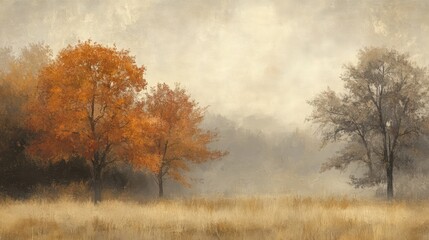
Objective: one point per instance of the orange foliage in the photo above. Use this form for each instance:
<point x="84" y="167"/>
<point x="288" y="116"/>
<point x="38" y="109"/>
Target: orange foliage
<point x="178" y="139"/>
<point x="88" y="105"/>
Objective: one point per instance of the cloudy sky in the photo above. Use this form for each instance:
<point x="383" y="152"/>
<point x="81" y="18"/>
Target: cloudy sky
<point x="247" y="59"/>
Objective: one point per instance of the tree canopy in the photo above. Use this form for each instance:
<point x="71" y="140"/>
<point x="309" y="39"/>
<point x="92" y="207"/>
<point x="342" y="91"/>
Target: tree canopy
<point x="88" y="104"/>
<point x="382" y="109"/>
<point x="178" y="139"/>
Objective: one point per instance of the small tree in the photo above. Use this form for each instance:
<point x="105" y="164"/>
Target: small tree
<point x="383" y="109"/>
<point x="87" y="105"/>
<point x="178" y="140"/>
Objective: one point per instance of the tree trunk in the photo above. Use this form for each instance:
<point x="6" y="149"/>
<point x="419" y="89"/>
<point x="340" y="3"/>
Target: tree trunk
<point x="389" y="173"/>
<point x="370" y="167"/>
<point x="389" y="168"/>
<point x="97" y="184"/>
<point x="160" y="186"/>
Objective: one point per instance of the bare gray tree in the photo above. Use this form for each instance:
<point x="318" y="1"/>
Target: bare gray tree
<point x="382" y="109"/>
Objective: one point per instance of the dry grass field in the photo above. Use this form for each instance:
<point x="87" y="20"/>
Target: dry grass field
<point x="281" y="217"/>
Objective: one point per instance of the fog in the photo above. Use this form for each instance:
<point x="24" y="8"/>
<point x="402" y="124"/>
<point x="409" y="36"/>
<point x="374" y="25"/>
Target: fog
<point x="254" y="63"/>
<point x="267" y="163"/>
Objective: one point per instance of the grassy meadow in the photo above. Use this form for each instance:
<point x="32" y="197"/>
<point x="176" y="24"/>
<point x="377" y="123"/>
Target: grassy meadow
<point x="261" y="217"/>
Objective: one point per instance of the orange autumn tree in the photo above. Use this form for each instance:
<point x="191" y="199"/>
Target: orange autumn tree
<point x="88" y="105"/>
<point x="179" y="140"/>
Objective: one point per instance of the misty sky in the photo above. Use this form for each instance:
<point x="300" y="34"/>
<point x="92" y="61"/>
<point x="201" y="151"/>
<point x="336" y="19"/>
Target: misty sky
<point x="257" y="62"/>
